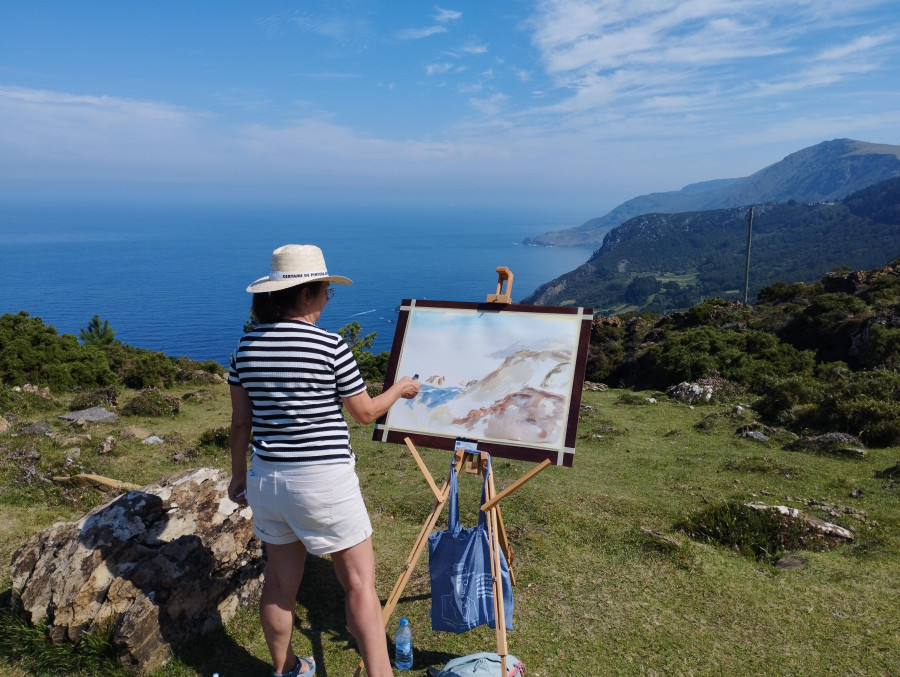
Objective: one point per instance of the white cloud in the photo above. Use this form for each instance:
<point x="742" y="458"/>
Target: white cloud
<point x="419" y="33"/>
<point x="439" y="68"/>
<point x="345" y="29"/>
<point x="491" y="105"/>
<point x="474" y="48"/>
<point x="862" y="44"/>
<point x="444" y="15"/>
<point x="522" y="74"/>
<point x="652" y="55"/>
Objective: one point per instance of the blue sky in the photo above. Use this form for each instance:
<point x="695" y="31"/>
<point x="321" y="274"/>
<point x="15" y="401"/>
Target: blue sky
<point x="569" y="107"/>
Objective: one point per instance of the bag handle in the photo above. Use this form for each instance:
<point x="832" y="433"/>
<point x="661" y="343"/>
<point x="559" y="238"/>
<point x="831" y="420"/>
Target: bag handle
<point x="482" y="515"/>
<point x="453" y="524"/>
<point x="453" y="508"/>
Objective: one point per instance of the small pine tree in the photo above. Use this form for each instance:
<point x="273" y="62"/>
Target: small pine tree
<point x="97" y="334"/>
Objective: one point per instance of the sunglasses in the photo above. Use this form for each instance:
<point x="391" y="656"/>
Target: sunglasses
<point x="329" y="293"/>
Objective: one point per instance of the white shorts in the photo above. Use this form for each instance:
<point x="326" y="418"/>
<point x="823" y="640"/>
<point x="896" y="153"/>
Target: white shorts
<point x="319" y="505"/>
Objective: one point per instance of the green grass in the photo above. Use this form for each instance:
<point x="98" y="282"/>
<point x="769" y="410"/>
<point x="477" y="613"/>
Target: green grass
<point x="595" y="594"/>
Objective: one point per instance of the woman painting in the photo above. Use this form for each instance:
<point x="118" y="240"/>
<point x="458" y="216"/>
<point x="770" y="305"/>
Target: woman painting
<point x="289" y="380"/>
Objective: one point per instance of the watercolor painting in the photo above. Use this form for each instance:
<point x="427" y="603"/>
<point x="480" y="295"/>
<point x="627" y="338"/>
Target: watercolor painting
<point x="508" y="377"/>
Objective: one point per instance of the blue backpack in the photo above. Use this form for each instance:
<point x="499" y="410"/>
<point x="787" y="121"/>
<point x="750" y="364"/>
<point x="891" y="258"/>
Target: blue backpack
<point x="484" y="664"/>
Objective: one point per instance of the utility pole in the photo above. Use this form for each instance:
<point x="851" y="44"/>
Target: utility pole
<point x="747" y="263"/>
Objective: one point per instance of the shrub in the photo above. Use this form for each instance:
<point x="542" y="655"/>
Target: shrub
<point x="882" y="348"/>
<point x="31" y="352"/>
<point x="865" y="404"/>
<point x="780" y="292"/>
<point x="100" y="397"/>
<point x="875" y="421"/>
<point x="749" y="358"/>
<point x="215" y="437"/>
<point x="762" y="534"/>
<point x="826" y="324"/>
<point x="150" y="369"/>
<point x="23" y="403"/>
<point x="212" y="367"/>
<point x="373" y="367"/>
<point x="152" y="402"/>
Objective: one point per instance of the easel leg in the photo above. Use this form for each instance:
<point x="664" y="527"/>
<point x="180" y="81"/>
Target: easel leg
<point x="499" y="611"/>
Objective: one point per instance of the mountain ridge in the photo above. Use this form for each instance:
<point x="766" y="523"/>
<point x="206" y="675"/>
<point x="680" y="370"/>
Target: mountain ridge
<point x="667" y="262"/>
<point x="827" y="171"/>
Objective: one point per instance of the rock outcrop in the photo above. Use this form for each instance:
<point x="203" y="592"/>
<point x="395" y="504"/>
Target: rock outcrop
<point x="690" y="393"/>
<point x="162" y="564"/>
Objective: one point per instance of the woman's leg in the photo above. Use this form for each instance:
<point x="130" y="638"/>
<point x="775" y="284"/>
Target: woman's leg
<point x="355" y="569"/>
<point x="279" y="599"/>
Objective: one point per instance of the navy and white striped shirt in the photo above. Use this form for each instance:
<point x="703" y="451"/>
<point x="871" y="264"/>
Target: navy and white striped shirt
<point x="296" y="374"/>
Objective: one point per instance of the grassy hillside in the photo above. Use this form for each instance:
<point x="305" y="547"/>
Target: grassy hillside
<point x="595" y="595"/>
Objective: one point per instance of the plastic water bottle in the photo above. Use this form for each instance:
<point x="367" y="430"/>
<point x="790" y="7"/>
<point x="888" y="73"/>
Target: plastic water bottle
<point x="403" y="645"/>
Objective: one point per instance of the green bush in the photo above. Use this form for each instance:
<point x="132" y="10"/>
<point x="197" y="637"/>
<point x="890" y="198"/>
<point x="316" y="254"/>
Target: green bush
<point x="212" y="367"/>
<point x="882" y="349"/>
<point x="865" y="403"/>
<point x="750" y="358"/>
<point x="215" y="437"/>
<point x="373" y="367"/>
<point x="100" y="397"/>
<point x="781" y="292"/>
<point x="150" y="369"/>
<point x="22" y="403"/>
<point x="152" y="402"/>
<point x="762" y="534"/>
<point x="875" y="421"/>
<point x="31" y="352"/>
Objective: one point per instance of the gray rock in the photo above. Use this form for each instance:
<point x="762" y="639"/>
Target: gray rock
<point x="836" y="444"/>
<point x="790" y="561"/>
<point x="92" y="415"/>
<point x="755" y="435"/>
<point x="690" y="393"/>
<point x="153" y="439"/>
<point x="852" y="452"/>
<point x="39" y="428"/>
<point x="828" y="529"/>
<point x="162" y="565"/>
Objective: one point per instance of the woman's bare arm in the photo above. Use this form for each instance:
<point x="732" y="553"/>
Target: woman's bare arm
<point x="365" y="409"/>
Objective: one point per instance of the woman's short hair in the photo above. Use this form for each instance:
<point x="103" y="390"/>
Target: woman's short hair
<point x="270" y="306"/>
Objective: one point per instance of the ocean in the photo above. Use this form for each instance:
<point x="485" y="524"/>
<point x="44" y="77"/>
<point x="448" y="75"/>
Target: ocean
<point x="172" y="278"/>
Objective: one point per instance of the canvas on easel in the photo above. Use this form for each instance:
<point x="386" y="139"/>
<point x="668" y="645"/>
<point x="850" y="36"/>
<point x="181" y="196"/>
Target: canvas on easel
<point x="507" y="375"/>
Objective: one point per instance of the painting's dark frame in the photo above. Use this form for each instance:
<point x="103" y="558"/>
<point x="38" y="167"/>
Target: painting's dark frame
<point x="519" y="451"/>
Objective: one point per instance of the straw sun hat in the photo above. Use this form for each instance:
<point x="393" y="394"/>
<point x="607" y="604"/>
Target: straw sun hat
<point x="295" y="264"/>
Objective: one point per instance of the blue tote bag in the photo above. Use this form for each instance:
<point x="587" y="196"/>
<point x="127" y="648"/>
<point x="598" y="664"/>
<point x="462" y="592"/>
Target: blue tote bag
<point x="459" y="563"/>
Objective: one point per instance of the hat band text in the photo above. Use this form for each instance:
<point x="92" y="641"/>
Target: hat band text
<point x="279" y="275"/>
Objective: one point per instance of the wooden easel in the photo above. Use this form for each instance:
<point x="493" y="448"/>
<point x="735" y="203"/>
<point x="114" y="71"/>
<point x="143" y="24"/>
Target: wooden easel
<point x="474" y="462"/>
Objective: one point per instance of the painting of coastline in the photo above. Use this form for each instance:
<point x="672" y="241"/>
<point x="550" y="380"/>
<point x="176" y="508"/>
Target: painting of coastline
<point x="507" y="378"/>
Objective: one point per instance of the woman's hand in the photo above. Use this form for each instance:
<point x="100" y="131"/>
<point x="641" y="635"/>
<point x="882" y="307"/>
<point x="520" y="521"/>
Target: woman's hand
<point x="237" y="490"/>
<point x="408" y="387"/>
<point x="365" y="409"/>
